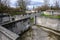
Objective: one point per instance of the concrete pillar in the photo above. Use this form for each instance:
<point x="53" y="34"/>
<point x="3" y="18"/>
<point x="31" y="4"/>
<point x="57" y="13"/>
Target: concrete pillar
<point x="34" y="19"/>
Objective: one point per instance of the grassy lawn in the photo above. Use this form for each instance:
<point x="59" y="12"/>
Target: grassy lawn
<point x="17" y="13"/>
<point x="51" y="16"/>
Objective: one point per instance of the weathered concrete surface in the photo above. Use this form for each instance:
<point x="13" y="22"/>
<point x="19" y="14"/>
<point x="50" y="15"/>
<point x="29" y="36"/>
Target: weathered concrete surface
<point x="48" y="22"/>
<point x="7" y="35"/>
<point x="37" y="33"/>
<point x="4" y="37"/>
<point x="18" y="26"/>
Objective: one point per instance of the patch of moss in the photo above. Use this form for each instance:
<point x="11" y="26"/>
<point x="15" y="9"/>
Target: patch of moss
<point x="32" y="20"/>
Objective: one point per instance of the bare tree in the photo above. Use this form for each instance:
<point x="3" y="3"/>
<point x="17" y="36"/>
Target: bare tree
<point x="57" y="4"/>
<point x="46" y="2"/>
<point x="46" y="5"/>
<point x="6" y="2"/>
<point x="23" y="5"/>
<point x="0" y="2"/>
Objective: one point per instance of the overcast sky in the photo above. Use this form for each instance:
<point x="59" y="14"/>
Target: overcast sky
<point x="34" y="3"/>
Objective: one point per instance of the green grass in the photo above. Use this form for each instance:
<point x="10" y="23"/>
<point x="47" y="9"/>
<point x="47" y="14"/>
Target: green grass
<point x="32" y="20"/>
<point x="51" y="16"/>
<point x="17" y="13"/>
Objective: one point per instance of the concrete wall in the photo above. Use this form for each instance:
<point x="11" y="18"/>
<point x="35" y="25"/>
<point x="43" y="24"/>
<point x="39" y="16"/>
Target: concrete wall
<point x="4" y="37"/>
<point x="6" y="34"/>
<point x="21" y="26"/>
<point x="18" y="26"/>
<point x="48" y="22"/>
<point x="5" y="19"/>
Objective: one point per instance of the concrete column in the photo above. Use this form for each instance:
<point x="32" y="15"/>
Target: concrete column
<point x="34" y="19"/>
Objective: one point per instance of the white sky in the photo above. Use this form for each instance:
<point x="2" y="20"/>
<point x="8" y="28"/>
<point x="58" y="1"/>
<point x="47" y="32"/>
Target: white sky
<point x="37" y="0"/>
<point x="51" y="2"/>
<point x="13" y="2"/>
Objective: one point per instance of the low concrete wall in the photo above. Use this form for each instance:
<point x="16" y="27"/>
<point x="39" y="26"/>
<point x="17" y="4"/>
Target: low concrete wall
<point x="4" y="37"/>
<point x="5" y="34"/>
<point x="5" y="19"/>
<point x="18" y="26"/>
<point x="21" y="26"/>
<point x="48" y="22"/>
